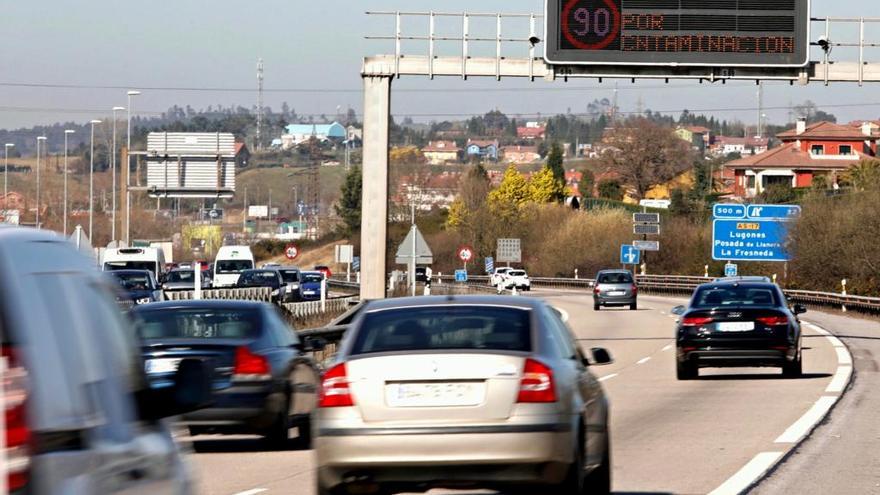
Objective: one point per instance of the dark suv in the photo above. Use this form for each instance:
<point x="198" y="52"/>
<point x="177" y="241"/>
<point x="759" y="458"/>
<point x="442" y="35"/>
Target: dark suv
<point x="732" y="323"/>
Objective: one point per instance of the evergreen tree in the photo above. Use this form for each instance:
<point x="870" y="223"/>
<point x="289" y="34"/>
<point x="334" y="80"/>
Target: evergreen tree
<point x="349" y="206"/>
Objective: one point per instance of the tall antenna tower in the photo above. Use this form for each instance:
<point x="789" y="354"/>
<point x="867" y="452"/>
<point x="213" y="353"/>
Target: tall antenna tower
<point x="260" y="104"/>
<point x="760" y="109"/>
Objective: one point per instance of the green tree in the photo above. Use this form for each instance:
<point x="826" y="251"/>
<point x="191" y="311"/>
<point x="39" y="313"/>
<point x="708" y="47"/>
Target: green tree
<point x="587" y="183"/>
<point x="349" y="206"/>
<point x="611" y="189"/>
<point x="777" y="193"/>
<point x="555" y="162"/>
<point x="864" y="175"/>
<point x="680" y="203"/>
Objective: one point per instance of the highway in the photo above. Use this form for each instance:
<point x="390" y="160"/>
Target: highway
<point x="720" y="432"/>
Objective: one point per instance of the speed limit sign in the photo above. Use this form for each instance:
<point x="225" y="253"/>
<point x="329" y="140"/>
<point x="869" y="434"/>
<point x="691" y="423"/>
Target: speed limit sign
<point x="465" y="253"/>
<point x="291" y="251"/>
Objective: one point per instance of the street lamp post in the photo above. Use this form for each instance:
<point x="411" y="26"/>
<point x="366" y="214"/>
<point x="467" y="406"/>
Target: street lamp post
<point x="67" y="132"/>
<point x="40" y="138"/>
<point x="6" y="176"/>
<point x="92" y="180"/>
<point x="113" y="165"/>
<point x="128" y="172"/>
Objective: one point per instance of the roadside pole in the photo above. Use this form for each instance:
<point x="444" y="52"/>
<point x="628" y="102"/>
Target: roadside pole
<point x="197" y="271"/>
<point x="323" y="294"/>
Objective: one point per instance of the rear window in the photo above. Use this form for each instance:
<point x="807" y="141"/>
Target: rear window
<point x="201" y="323"/>
<point x="258" y="278"/>
<point x="234" y="266"/>
<point x="615" y="278"/>
<point x="444" y="328"/>
<point x="181" y="276"/>
<point x="516" y="273"/>
<point x="712" y="297"/>
<point x="312" y="277"/>
<point x="290" y="275"/>
<point x="134" y="281"/>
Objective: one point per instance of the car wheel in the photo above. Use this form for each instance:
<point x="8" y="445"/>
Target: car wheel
<point x="599" y="480"/>
<point x="633" y="306"/>
<point x="596" y="306"/>
<point x="278" y="434"/>
<point x="686" y="371"/>
<point x="793" y="369"/>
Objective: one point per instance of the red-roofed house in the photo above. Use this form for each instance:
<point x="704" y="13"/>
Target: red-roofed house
<point x="520" y="154"/>
<point x="725" y="145"/>
<point x="531" y="133"/>
<point x="822" y="149"/>
<point x="441" y="152"/>
<point x="242" y="155"/>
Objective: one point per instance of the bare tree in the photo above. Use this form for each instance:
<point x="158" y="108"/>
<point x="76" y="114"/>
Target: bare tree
<point x="646" y="154"/>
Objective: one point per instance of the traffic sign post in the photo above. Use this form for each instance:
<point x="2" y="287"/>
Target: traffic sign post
<point x="751" y="232"/>
<point x="646" y="224"/>
<point x="647" y="245"/>
<point x="509" y="251"/>
<point x="629" y="255"/>
<point x="461" y="276"/>
<point x="291" y="252"/>
<point x="465" y="254"/>
<point x="730" y="270"/>
<point x="490" y="264"/>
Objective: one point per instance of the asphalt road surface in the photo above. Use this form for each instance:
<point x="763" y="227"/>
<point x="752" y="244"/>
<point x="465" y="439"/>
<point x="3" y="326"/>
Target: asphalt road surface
<point x="720" y="432"/>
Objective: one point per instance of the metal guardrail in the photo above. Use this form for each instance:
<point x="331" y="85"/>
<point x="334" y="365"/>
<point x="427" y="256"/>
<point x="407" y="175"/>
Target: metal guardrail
<point x="312" y="308"/>
<point x="239" y="293"/>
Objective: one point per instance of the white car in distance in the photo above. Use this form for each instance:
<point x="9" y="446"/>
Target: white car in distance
<point x="516" y="278"/>
<point x="497" y="277"/>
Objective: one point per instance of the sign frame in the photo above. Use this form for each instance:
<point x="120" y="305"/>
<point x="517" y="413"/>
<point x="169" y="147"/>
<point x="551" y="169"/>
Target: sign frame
<point x="461" y="275"/>
<point x="554" y="54"/>
<point x="775" y="223"/>
<point x="508" y="251"/>
<point x="624" y="251"/>
<point x="645" y="246"/>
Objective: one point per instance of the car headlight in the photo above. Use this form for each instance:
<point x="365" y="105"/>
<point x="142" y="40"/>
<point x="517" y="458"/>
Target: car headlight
<point x="275" y="292"/>
<point x="143" y="300"/>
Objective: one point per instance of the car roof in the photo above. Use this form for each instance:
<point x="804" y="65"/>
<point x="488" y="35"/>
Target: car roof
<point x="750" y="284"/>
<point x="202" y="304"/>
<point x="470" y="300"/>
<point x="128" y="272"/>
<point x="601" y="272"/>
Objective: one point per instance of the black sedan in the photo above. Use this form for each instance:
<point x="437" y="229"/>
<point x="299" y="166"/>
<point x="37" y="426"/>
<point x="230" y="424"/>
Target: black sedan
<point x="269" y="277"/>
<point x="263" y="381"/>
<point x="139" y="286"/>
<point x="738" y="324"/>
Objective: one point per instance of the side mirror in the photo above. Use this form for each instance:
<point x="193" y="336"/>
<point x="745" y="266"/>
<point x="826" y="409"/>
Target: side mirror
<point x="678" y="310"/>
<point x="799" y="309"/>
<point x="601" y="356"/>
<point x="191" y="391"/>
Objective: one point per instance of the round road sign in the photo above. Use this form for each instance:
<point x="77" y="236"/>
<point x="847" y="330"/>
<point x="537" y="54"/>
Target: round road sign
<point x="465" y="253"/>
<point x="291" y="251"/>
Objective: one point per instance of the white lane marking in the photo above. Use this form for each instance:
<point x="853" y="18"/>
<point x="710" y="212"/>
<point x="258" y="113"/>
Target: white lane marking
<point x="808" y="421"/>
<point x="819" y="329"/>
<point x="835" y="341"/>
<point x="663" y="312"/>
<point x="843" y="356"/>
<point x="643" y="360"/>
<point x="750" y="473"/>
<point x="254" y="491"/>
<point x="607" y="377"/>
<point x="841" y="378"/>
<point x="563" y="312"/>
<point x="668" y="347"/>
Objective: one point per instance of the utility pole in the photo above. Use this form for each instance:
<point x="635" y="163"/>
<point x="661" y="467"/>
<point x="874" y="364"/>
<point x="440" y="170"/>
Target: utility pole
<point x="760" y="109"/>
<point x="259" y="104"/>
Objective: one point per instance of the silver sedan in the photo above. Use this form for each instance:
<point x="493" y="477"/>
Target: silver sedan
<point x="461" y="392"/>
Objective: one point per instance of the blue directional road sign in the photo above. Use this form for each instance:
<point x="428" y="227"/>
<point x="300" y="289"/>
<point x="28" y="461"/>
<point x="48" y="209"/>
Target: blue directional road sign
<point x="774" y="212"/>
<point x="730" y="270"/>
<point x="728" y="211"/>
<point x="629" y="255"/>
<point x="490" y="264"/>
<point x="749" y="240"/>
<point x="461" y="275"/>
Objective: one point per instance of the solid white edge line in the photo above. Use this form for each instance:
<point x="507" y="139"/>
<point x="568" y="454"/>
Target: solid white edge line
<point x="254" y="491"/>
<point x="749" y="474"/>
<point x="643" y="360"/>
<point x="668" y="347"/>
<point x="808" y="421"/>
<point x="840" y="380"/>
<point x="834" y="341"/>
<point x="819" y="329"/>
<point x="843" y="356"/>
<point x="607" y="377"/>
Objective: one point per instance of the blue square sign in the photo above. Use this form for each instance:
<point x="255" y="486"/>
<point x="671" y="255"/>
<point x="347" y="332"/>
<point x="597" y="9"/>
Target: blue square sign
<point x="461" y="275"/>
<point x="629" y="255"/>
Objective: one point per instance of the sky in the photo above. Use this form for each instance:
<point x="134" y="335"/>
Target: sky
<point x="312" y="54"/>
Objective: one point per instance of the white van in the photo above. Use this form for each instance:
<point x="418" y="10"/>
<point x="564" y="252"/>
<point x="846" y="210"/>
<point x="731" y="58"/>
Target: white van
<point x="230" y="262"/>
<point x="135" y="258"/>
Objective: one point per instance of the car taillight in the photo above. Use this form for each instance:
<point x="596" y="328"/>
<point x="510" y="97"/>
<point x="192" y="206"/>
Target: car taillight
<point x="596" y="290"/>
<point x="537" y="383"/>
<point x="695" y="321"/>
<point x="250" y="366"/>
<point x="18" y="434"/>
<point x="773" y="321"/>
<point x="335" y="391"/>
<point x="635" y="289"/>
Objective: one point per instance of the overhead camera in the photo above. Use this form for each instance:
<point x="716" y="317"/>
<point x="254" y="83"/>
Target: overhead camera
<point x="534" y="40"/>
<point x="824" y="43"/>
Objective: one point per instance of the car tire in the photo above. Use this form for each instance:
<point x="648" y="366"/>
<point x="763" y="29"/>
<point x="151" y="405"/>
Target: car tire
<point x="793" y="369"/>
<point x="596" y="306"/>
<point x="304" y="433"/>
<point x="633" y="306"/>
<point x="599" y="480"/>
<point x="278" y="434"/>
<point x="575" y="477"/>
<point x="686" y="371"/>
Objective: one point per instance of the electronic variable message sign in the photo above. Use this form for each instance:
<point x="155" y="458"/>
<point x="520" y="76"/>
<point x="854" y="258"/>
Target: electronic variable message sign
<point x="723" y="33"/>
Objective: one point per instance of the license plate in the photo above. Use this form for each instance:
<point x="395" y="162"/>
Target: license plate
<point x="162" y="365"/>
<point x="617" y="293"/>
<point x="309" y="292"/>
<point x="434" y="394"/>
<point x="736" y="326"/>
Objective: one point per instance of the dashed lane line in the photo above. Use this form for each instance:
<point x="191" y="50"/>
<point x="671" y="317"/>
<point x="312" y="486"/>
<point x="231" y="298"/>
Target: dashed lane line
<point x="643" y="360"/>
<point x="749" y="474"/>
<point x="254" y="491"/>
<point x="668" y="347"/>
<point x="607" y="377"/>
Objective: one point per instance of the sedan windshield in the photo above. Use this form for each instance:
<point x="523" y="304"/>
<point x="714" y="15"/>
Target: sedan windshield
<point x="259" y="278"/>
<point x="290" y="276"/>
<point x="134" y="281"/>
<point x="735" y="295"/>
<point x="200" y="323"/>
<point x="181" y="276"/>
<point x="444" y="327"/>
<point x="234" y="266"/>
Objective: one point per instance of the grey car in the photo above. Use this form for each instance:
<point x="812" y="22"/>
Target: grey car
<point x="80" y="417"/>
<point x="465" y="392"/>
<point x="185" y="279"/>
<point x="615" y="288"/>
